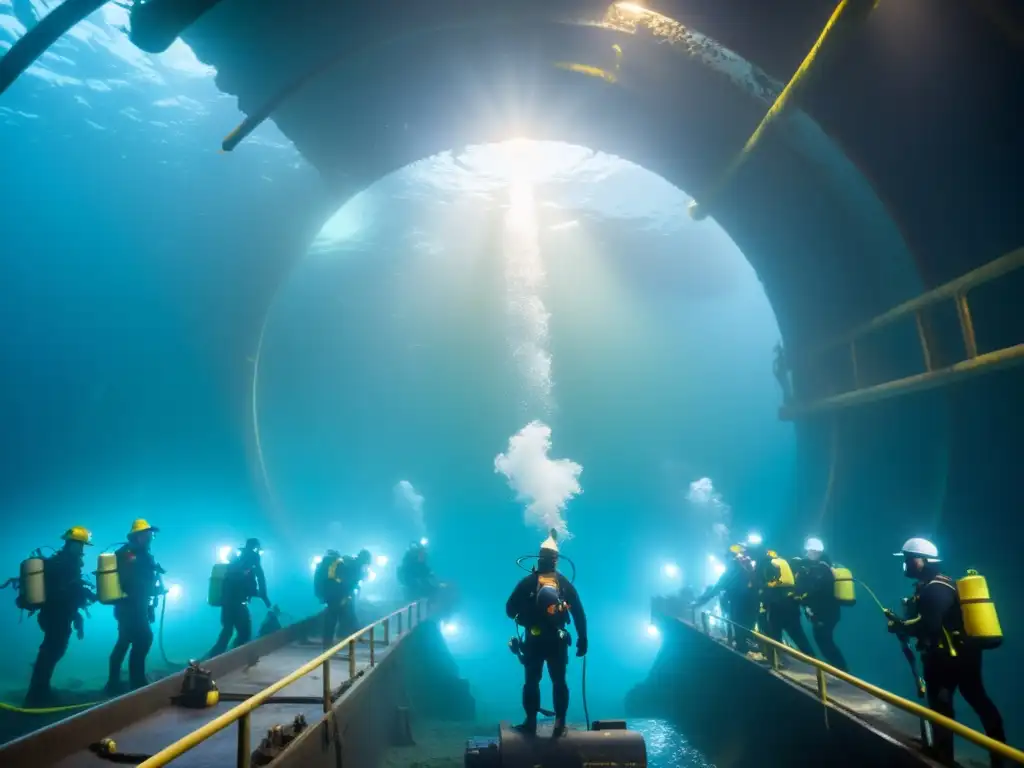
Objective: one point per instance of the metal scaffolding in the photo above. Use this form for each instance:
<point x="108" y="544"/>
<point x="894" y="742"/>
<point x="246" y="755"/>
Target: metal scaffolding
<point x="973" y="364"/>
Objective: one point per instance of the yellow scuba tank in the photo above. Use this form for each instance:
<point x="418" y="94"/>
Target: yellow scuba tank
<point x="844" y="590"/>
<point x="981" y="623"/>
<point x="216" y="594"/>
<point x="785" y="578"/>
<point x="108" y="580"/>
<point x="32" y="583"/>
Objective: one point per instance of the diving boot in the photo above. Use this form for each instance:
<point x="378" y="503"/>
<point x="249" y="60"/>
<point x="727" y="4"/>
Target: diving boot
<point x="528" y="726"/>
<point x="559" y="728"/>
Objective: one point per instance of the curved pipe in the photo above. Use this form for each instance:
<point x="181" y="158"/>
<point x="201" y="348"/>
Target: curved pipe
<point x="54" y="25"/>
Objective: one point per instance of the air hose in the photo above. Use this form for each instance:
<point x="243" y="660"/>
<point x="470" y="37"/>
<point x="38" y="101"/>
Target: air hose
<point x="586" y="712"/>
<point x="160" y="636"/>
<point x="847" y="15"/>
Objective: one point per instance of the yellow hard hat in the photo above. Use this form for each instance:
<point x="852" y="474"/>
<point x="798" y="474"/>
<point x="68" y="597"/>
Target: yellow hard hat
<point x="141" y="526"/>
<point x="79" y="534"/>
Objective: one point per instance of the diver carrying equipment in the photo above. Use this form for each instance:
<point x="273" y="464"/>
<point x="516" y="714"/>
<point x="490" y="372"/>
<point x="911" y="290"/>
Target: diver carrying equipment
<point x="608" y="743"/>
<point x="981" y="623"/>
<point x="198" y="689"/>
<point x="277" y="740"/>
<point x="218" y="574"/>
<point x="108" y="580"/>
<point x="844" y="590"/>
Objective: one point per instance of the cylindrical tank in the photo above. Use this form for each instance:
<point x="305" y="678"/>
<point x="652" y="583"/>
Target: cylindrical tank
<point x="32" y="583"/>
<point x="981" y="622"/>
<point x="612" y="747"/>
<point x="108" y="581"/>
<point x="216" y="593"/>
<point x="845" y="592"/>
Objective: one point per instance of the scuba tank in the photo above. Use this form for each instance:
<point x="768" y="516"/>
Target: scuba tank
<point x="981" y="623"/>
<point x="108" y="580"/>
<point x="844" y="590"/>
<point x="198" y="689"/>
<point x="32" y="582"/>
<point x="785" y="573"/>
<point x="218" y="574"/>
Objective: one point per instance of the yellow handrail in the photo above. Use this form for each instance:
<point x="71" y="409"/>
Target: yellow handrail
<point x="240" y="713"/>
<point x="892" y="699"/>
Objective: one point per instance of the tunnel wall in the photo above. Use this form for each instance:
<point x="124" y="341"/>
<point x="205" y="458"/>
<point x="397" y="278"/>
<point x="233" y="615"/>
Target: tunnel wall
<point x="737" y="712"/>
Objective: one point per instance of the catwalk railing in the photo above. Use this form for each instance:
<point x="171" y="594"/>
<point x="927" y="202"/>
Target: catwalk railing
<point x="410" y="615"/>
<point x="973" y="364"/>
<point x="823" y="670"/>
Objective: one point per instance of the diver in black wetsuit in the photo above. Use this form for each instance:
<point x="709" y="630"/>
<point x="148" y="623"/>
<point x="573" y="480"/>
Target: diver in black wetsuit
<point x="948" y="662"/>
<point x="335" y="583"/>
<point x="778" y="596"/>
<point x="243" y="581"/>
<point x="414" y="573"/>
<point x="542" y="603"/>
<point x="67" y="594"/>
<point x="740" y="598"/>
<point x="136" y="611"/>
<point x="815" y="589"/>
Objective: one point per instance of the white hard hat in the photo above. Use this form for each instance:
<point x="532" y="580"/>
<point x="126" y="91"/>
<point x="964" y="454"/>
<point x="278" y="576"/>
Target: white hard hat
<point x="919" y="548"/>
<point x="814" y="545"/>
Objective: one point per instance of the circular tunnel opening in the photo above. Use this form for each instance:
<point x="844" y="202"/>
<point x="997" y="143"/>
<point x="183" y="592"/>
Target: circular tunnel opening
<point x="449" y="305"/>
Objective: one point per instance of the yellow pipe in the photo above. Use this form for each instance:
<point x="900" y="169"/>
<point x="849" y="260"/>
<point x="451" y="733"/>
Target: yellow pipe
<point x="846" y="9"/>
<point x="892" y="699"/>
<point x="973" y="366"/>
<point x="198" y="736"/>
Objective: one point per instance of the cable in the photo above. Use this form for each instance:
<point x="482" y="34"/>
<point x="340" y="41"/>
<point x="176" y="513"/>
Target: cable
<point x="586" y="711"/>
<point x="160" y="636"/>
<point x="46" y="710"/>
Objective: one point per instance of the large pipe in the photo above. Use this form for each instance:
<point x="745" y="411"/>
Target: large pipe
<point x="608" y="744"/>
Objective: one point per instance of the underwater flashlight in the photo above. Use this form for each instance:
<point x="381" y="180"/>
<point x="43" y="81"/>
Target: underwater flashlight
<point x="314" y="562"/>
<point x="754" y="538"/>
<point x="671" y="570"/>
<point x="449" y="628"/>
<point x="382" y="560"/>
<point x="653" y="630"/>
<point x="424" y="541"/>
<point x="174" y="592"/>
<point x="224" y="554"/>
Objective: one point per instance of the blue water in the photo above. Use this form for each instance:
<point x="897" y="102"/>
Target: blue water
<point x="543" y="303"/>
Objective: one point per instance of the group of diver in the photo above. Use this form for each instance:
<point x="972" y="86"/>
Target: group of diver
<point x="952" y="621"/>
<point x="131" y="581"/>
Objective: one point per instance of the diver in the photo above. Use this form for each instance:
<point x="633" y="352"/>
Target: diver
<point x="66" y="595"/>
<point x="414" y="573"/>
<point x="739" y="598"/>
<point x="243" y="580"/>
<point x="335" y="583"/>
<point x="141" y="586"/>
<point x="542" y="604"/>
<point x="816" y="592"/>
<point x="949" y="662"/>
<point x="774" y="575"/>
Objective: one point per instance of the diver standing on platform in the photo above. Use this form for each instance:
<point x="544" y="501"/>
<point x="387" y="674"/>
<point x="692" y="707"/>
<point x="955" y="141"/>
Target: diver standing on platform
<point x="243" y="580"/>
<point x="778" y="597"/>
<point x="415" y="575"/>
<point x="737" y="586"/>
<point x="816" y="592"/>
<point x="140" y="585"/>
<point x="953" y="622"/>
<point x="335" y="582"/>
<point x="64" y="595"/>
<point x="542" y="604"/>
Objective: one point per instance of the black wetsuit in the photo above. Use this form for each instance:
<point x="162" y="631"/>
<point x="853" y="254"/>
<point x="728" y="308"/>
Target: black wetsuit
<point x="66" y="595"/>
<point x="415" y="575"/>
<point x="937" y="624"/>
<point x="243" y="581"/>
<point x="816" y="585"/>
<point x="140" y="581"/>
<point x="546" y="642"/>
<point x="782" y="611"/>
<point x="337" y="584"/>
<point x="739" y="600"/>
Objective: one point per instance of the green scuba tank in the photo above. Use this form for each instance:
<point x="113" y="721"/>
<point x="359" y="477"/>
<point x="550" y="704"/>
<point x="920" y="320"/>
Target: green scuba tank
<point x="218" y="574"/>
